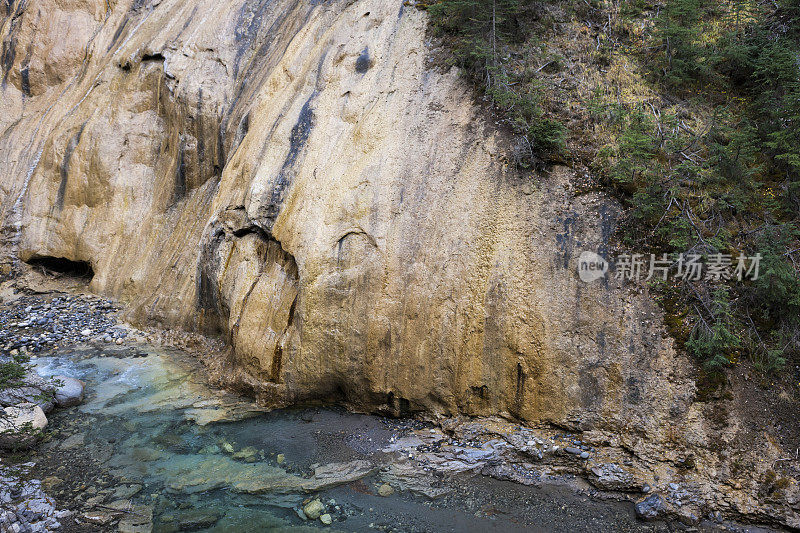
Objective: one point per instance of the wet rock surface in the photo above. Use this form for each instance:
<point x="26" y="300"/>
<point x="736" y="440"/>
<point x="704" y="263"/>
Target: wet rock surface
<point x="68" y="392"/>
<point x="24" y="505"/>
<point x="153" y="447"/>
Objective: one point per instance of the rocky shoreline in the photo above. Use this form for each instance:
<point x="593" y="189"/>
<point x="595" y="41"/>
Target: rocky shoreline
<point x="32" y="325"/>
<point x="427" y="454"/>
<point x="24" y="506"/>
<point x="29" y="326"/>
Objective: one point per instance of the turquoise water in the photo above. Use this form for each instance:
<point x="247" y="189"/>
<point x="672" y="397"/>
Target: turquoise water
<point x="153" y="433"/>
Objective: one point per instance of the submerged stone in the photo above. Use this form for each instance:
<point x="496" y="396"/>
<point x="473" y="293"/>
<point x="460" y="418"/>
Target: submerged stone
<point x="197" y="519"/>
<point x="313" y="509"/>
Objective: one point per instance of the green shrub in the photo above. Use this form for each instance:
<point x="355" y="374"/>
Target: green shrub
<point x="12" y="372"/>
<point x="479" y="33"/>
<point x="728" y="189"/>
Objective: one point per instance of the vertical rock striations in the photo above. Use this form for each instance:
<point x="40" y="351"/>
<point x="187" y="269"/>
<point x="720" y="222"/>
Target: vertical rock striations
<point x="295" y="176"/>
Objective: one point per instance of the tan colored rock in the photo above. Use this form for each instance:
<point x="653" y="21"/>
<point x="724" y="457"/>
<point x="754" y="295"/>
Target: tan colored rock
<point x="224" y="168"/>
<point x="313" y="509"/>
<point x="347" y="232"/>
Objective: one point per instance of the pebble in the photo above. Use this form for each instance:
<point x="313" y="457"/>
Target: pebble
<point x="326" y="519"/>
<point x="32" y="324"/>
<point x="313" y="509"/>
<point x="28" y="509"/>
<point x="385" y="490"/>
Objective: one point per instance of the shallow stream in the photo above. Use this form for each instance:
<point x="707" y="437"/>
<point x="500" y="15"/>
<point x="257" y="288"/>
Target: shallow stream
<point x="153" y="438"/>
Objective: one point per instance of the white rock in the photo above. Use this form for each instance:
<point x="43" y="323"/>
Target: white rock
<point x="69" y="391"/>
<point x="20" y="425"/>
<point x="86" y="332"/>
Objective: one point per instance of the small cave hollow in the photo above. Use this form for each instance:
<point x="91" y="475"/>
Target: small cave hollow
<point x="61" y="266"/>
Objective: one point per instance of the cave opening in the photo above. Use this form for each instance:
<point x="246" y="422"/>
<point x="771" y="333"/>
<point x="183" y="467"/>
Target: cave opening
<point x="61" y="266"/>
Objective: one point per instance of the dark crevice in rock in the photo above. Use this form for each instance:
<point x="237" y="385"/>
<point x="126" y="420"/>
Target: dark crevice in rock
<point x="9" y="53"/>
<point x="397" y="406"/>
<point x="62" y="266"/>
<point x="118" y="33"/>
<point x="277" y="359"/>
<point x="208" y="297"/>
<point x="363" y="63"/>
<point x="157" y="56"/>
<point x="179" y="191"/>
<point x="481" y="391"/>
<point x="241" y="131"/>
<point x="64" y="169"/>
<point x="235" y="329"/>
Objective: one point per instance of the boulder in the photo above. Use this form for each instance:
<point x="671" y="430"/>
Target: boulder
<point x="650" y="508"/>
<point x="69" y="391"/>
<point x="32" y="389"/>
<point x="611" y="476"/>
<point x="21" y="425"/>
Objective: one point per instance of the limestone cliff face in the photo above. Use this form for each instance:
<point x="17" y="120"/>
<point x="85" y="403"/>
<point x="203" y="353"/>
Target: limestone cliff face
<point x="293" y="175"/>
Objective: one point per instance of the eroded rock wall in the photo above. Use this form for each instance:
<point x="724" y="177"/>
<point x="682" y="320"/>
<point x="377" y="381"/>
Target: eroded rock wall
<point x="295" y="176"/>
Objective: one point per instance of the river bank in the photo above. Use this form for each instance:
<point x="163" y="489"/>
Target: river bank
<point x="155" y="447"/>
